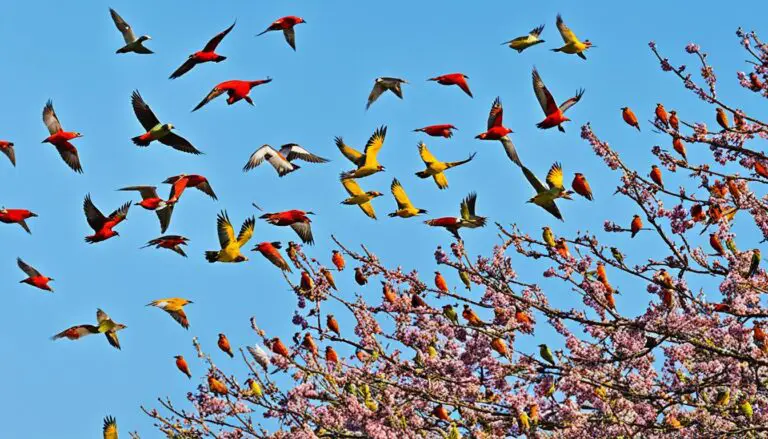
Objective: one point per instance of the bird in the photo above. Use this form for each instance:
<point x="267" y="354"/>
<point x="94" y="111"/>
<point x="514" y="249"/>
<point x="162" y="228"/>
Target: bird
<point x="497" y="131"/>
<point x="722" y="119"/>
<point x="17" y="216"/>
<point x="754" y="263"/>
<point x="405" y="208"/>
<point x="458" y="79"/>
<point x="629" y="117"/>
<point x="286" y="25"/>
<point x="674" y="121"/>
<point x="309" y="343"/>
<point x="382" y="84"/>
<point x="270" y="251"/>
<point x="467" y="219"/>
<point x="526" y="41"/>
<point x="217" y="387"/>
<point x="440" y="282"/>
<point x="360" y="198"/>
<point x="151" y="201"/>
<point x="174" y="306"/>
<point x="679" y="146"/>
<point x="435" y="168"/>
<point x="171" y="242"/>
<point x="34" y="277"/>
<point x="182" y="365"/>
<point x="281" y="160"/>
<point x="546" y="196"/>
<point x="338" y="260"/>
<point x="369" y="164"/>
<point x="105" y="325"/>
<point x="328" y="277"/>
<point x="183" y="181"/>
<point x="208" y="54"/>
<point x="548" y="236"/>
<point x="132" y="44"/>
<point x="254" y="388"/>
<point x="716" y="245"/>
<point x="230" y="246"/>
<point x="661" y="115"/>
<point x="450" y="313"/>
<point x="471" y="317"/>
<point x="572" y="43"/>
<point x="360" y="276"/>
<point x="156" y="130"/>
<point x="260" y="355"/>
<point x="223" y="344"/>
<point x="6" y="148"/>
<point x="236" y="90"/>
<point x="441" y="130"/>
<point x="60" y="138"/>
<point x="555" y="116"/>
<point x="296" y="219"/>
<point x="109" y="431"/>
<point x="278" y="347"/>
<point x="441" y="413"/>
<point x="101" y="225"/>
<point x="636" y="225"/>
<point x="331" y="357"/>
<point x="656" y="176"/>
<point x="580" y="185"/>
<point x="332" y="324"/>
<point x="546" y="354"/>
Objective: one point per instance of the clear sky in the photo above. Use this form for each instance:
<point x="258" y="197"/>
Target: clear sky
<point x="65" y="51"/>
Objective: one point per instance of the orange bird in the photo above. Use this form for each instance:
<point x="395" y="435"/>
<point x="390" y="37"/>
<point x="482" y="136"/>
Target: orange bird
<point x="309" y="344"/>
<point x="286" y="25"/>
<point x="236" y="90"/>
<point x="470" y="316"/>
<point x="181" y="364"/>
<point x="338" y="260"/>
<point x="561" y="247"/>
<point x="389" y="294"/>
<point x="554" y="115"/>
<point x="722" y="119"/>
<point x="661" y="115"/>
<point x="443" y="130"/>
<point x="522" y="317"/>
<point x="497" y="131"/>
<point x="459" y="79"/>
<point x="16" y="216"/>
<point x="679" y="147"/>
<point x="297" y="219"/>
<point x="440" y="412"/>
<point x="101" y="225"/>
<point x="739" y="120"/>
<point x="499" y="346"/>
<point x="217" y="387"/>
<point x="270" y="251"/>
<point x="60" y="138"/>
<point x="656" y="176"/>
<point x="34" y="278"/>
<point x="697" y="213"/>
<point x="602" y="276"/>
<point x="306" y="283"/>
<point x="761" y="169"/>
<point x="329" y="278"/>
<point x="224" y="345"/>
<point x="440" y="282"/>
<point x="208" y="54"/>
<point x="629" y="117"/>
<point x="151" y="201"/>
<point x="6" y="148"/>
<point x="360" y="277"/>
<point x="580" y="185"/>
<point x="417" y="301"/>
<point x="332" y="324"/>
<point x="637" y="225"/>
<point x="331" y="356"/>
<point x="171" y="242"/>
<point x="279" y="348"/>
<point x="674" y="122"/>
<point x="183" y="181"/>
<point x="714" y="241"/>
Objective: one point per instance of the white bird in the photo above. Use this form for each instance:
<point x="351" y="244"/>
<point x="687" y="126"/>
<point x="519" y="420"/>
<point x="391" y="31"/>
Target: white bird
<point x="282" y="160"/>
<point x="132" y="44"/>
<point x="382" y="84"/>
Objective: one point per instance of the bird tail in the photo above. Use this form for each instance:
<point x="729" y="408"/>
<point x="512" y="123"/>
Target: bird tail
<point x="212" y="256"/>
<point x="90" y="239"/>
<point x="461" y="162"/>
<point x="276" y="245"/>
<point x="391" y="215"/>
<point x="139" y="141"/>
<point x="556" y="50"/>
<point x="422" y="174"/>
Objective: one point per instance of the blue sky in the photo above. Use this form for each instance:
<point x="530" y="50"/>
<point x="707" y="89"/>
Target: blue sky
<point x="65" y="51"/>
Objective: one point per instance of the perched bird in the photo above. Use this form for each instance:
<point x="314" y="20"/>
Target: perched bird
<point x="467" y="219"/>
<point x="636" y="225"/>
<point x="105" y="325"/>
<point x="34" y="277"/>
<point x="405" y="208"/>
<point x="526" y="41"/>
<point x="545" y="197"/>
<point x="338" y="260"/>
<point x="580" y="185"/>
<point x="360" y="198"/>
<point x="716" y="245"/>
<point x="554" y="115"/>
<point x="282" y="160"/>
<point x="171" y="242"/>
<point x="101" y="225"/>
<point x="308" y="343"/>
<point x="722" y="119"/>
<point x="656" y="176"/>
<point x="435" y="168"/>
<point x="572" y="43"/>
<point x="546" y="354"/>
<point x="270" y="251"/>
<point x="548" y="236"/>
<point x="440" y="282"/>
<point x="254" y="388"/>
<point x="561" y="247"/>
<point x="471" y="317"/>
<point x="208" y="54"/>
<point x="450" y="313"/>
<point x="390" y="296"/>
<point x="761" y="169"/>
<point x="6" y="148"/>
<point x="16" y="216"/>
<point x="328" y="277"/>
<point x="181" y="364"/>
<point x="60" y="138"/>
<point x="674" y="122"/>
<point x="464" y="276"/>
<point x="296" y="219"/>
<point x="184" y="181"/>
<point x="497" y="131"/>
<point x="286" y="25"/>
<point x="754" y="263"/>
<point x="458" y="79"/>
<point x="236" y="90"/>
<point x="217" y="387"/>
<point x="223" y="344"/>
<point x="661" y="115"/>
<point x="151" y="201"/>
<point x="109" y="431"/>
<point x="156" y="130"/>
<point x="230" y="246"/>
<point x="306" y="283"/>
<point x="679" y="146"/>
<point x="369" y="164"/>
<point x="617" y="255"/>
<point x="498" y="345"/>
<point x="629" y="117"/>
<point x="382" y="84"/>
<point x="132" y="44"/>
<point x="442" y="130"/>
<point x="260" y="355"/>
<point x="441" y="413"/>
<point x="360" y="277"/>
<point x="174" y="306"/>
<point x="332" y="324"/>
<point x="331" y="357"/>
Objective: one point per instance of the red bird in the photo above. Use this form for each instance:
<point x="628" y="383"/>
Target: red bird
<point x="183" y="181"/>
<point x="554" y="115"/>
<point x="459" y="79"/>
<point x="338" y="260"/>
<point x="101" y="225"/>
<point x="270" y="251"/>
<point x="60" y="138"/>
<point x="224" y="345"/>
<point x="674" y="121"/>
<point x="497" y="131"/>
<point x="181" y="364"/>
<point x="661" y="115"/>
<point x="286" y="25"/>
<point x="442" y="130"/>
<point x="151" y="201"/>
<point x="717" y="246"/>
<point x="636" y="226"/>
<point x="440" y="282"/>
<point x="629" y="117"/>
<point x="331" y="357"/>
<point x="6" y="148"/>
<point x="279" y="348"/>
<point x="35" y="279"/>
<point x="208" y="54"/>
<point x="297" y="219"/>
<point x="16" y="216"/>
<point x="656" y="176"/>
<point x="236" y="90"/>
<point x="171" y="242"/>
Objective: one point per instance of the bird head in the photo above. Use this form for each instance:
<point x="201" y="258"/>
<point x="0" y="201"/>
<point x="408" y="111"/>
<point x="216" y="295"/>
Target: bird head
<point x="300" y="20"/>
<point x="566" y="195"/>
<point x="375" y="194"/>
<point x="542" y="345"/>
<point x="119" y="327"/>
<point x="78" y="134"/>
<point x="144" y="38"/>
<point x="623" y="108"/>
<point x="588" y="44"/>
<point x="309" y="213"/>
<point x="169" y="126"/>
<point x="578" y="174"/>
<point x="221" y="335"/>
<point x="380" y="168"/>
<point x="480" y="136"/>
<point x="178" y="357"/>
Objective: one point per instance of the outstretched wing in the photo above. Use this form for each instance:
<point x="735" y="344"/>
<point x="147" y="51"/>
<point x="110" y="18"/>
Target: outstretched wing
<point x="290" y="37"/>
<point x="292" y="151"/>
<point x="184" y="68"/>
<point x="68" y="153"/>
<point x="120" y="213"/>
<point x="26" y="268"/>
<point x="426" y="156"/>
<point x="565" y="31"/>
<point x="225" y="229"/>
<point x="145" y="115"/>
<point x="112" y="339"/>
<point x="164" y="215"/>
<point x="178" y="143"/>
<point x="538" y="186"/>
<point x="350" y="153"/>
<point x="545" y="98"/>
<point x="123" y="27"/>
<point x="403" y="202"/>
<point x="246" y="231"/>
<point x="205" y="187"/>
<point x="535" y="32"/>
<point x="110" y="425"/>
<point x="50" y="119"/>
<point x="304" y="230"/>
<point x="216" y="92"/>
<point x="572" y="101"/>
<point x="10" y="153"/>
<point x="266" y="152"/>
<point x="555" y="177"/>
<point x="352" y="187"/>
<point x="144" y="191"/>
<point x="378" y="89"/>
<point x="374" y="145"/>
<point x="211" y="46"/>
<point x="367" y="208"/>
<point x="95" y="218"/>
<point x="510" y="149"/>
<point x="468" y="206"/>
<point x="496" y="114"/>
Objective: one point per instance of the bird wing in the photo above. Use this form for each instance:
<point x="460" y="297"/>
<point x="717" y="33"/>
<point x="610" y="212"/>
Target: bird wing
<point x="164" y="215"/>
<point x="367" y="208"/>
<point x="400" y="196"/>
<point x="110" y="425"/>
<point x="211" y="46"/>
<point x="290" y="37"/>
<point x="123" y="27"/>
<point x="441" y="180"/>
<point x="533" y="180"/>
<point x="184" y="68"/>
<point x="225" y="229"/>
<point x="50" y="119"/>
<point x="26" y="268"/>
<point x="101" y="316"/>
<point x="426" y="156"/>
<point x="181" y="317"/>
<point x="246" y="231"/>
<point x="555" y="177"/>
<point x="120" y="213"/>
<point x="510" y="149"/>
<point x="292" y="151"/>
<point x="496" y="114"/>
<point x="551" y="207"/>
<point x="374" y="145"/>
<point x="396" y="87"/>
<point x="378" y="89"/>
<point x="572" y="101"/>
<point x="213" y="94"/>
<point x="144" y="191"/>
<point x="205" y="187"/>
<point x="95" y="218"/>
<point x="545" y="98"/>
<point x="535" y="32"/>
<point x="112" y="339"/>
<point x="178" y="143"/>
<point x="145" y="115"/>
<point x="565" y="31"/>
<point x="352" y="187"/>
<point x="468" y="206"/>
<point x="304" y="230"/>
<point x="350" y="153"/>
<point x="274" y="158"/>
<point x="68" y="153"/>
<point x="11" y="153"/>
<point x="80" y="330"/>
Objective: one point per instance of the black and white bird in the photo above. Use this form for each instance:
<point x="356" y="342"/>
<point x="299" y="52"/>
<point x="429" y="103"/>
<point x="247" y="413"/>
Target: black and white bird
<point x="282" y="160"/>
<point x="132" y="44"/>
<point x="382" y="84"/>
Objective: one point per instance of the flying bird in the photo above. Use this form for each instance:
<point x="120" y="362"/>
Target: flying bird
<point x="497" y="131"/>
<point x="629" y="117"/>
<point x="183" y="181"/>
<point x="405" y="208"/>
<point x="16" y="216"/>
<point x="230" y="246"/>
<point x="360" y="198"/>
<point x="101" y="225"/>
<point x="572" y="43"/>
<point x="296" y="219"/>
<point x="545" y="196"/>
<point x="150" y="201"/>
<point x="132" y="44"/>
<point x="156" y="130"/>
<point x="580" y="185"/>
<point x="60" y="138"/>
<point x="270" y="251"/>
<point x="174" y="306"/>
<point x="467" y="219"/>
<point x="282" y="160"/>
<point x="435" y="168"/>
<point x="382" y="84"/>
<point x="105" y="325"/>
<point x="34" y="277"/>
<point x="208" y="54"/>
<point x="171" y="242"/>
<point x="369" y="164"/>
<point x="110" y="428"/>
<point x="554" y="115"/>
<point x="458" y="79"/>
<point x="442" y="130"/>
<point x="526" y="41"/>
<point x="236" y="90"/>
<point x="286" y="25"/>
<point x="6" y="148"/>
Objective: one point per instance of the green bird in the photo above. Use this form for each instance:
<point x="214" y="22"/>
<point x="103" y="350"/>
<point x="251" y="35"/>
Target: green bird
<point x="105" y="325"/>
<point x="746" y="408"/>
<point x="156" y="130"/>
<point x="465" y="279"/>
<point x="545" y="196"/>
<point x="731" y="244"/>
<point x="546" y="354"/>
<point x="451" y="314"/>
<point x="617" y="255"/>
<point x="723" y="397"/>
<point x="526" y="41"/>
<point x="755" y="263"/>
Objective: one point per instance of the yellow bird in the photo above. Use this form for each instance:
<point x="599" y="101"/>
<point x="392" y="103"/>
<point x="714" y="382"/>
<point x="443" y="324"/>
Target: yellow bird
<point x="545" y="197"/>
<point x="548" y="236"/>
<point x="175" y="307"/>
<point x="230" y="247"/>
<point x="368" y="163"/>
<point x="350" y="153"/>
<point x="357" y="196"/>
<point x="405" y="208"/>
<point x="526" y="41"/>
<point x="110" y="428"/>
<point x="572" y="43"/>
<point x="436" y="168"/>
